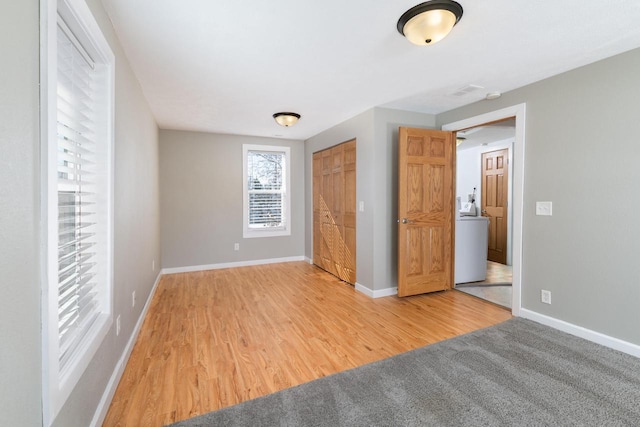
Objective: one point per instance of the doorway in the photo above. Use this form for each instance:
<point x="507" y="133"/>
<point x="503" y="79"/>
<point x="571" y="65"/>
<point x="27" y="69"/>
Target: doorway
<point x="466" y="128"/>
<point x="483" y="234"/>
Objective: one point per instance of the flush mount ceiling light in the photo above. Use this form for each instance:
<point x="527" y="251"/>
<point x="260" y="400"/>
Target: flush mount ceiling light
<point x="429" y="22"/>
<point x="286" y="119"/>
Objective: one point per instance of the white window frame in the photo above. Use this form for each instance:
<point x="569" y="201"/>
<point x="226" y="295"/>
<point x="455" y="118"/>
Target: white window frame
<point x="285" y="230"/>
<point x="57" y="385"/>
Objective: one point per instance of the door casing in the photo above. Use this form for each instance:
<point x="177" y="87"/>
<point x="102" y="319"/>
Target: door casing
<point x="519" y="112"/>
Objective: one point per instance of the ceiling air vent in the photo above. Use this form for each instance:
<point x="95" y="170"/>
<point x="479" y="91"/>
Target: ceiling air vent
<point x="466" y="90"/>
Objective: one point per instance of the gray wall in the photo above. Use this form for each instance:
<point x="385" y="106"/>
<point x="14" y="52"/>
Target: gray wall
<point x="137" y="240"/>
<point x="376" y="134"/>
<point x="201" y="200"/>
<point x="385" y="174"/>
<point x="20" y="345"/>
<point x="582" y="152"/>
<point x="136" y="231"/>
<point x="360" y="128"/>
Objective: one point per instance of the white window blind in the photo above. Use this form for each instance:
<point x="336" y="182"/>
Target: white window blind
<point x="81" y="173"/>
<point x="266" y="191"/>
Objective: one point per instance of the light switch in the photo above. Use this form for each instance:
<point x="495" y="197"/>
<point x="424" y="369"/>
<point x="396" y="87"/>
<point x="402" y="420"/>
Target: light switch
<point x="361" y="206"/>
<point x="543" y="208"/>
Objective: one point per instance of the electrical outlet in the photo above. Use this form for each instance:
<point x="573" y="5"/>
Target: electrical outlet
<point x="545" y="296"/>
<point x="544" y="208"/>
<point x="361" y="206"/>
<point x="236" y="246"/>
<point x="118" y="325"/>
<point x="133" y="299"/>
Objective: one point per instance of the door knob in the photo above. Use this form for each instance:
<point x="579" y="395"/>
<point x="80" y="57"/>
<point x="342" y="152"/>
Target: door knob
<point x="484" y="211"/>
<point x="407" y="221"/>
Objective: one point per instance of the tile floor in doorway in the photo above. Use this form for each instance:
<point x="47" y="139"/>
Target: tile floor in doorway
<point x="496" y="288"/>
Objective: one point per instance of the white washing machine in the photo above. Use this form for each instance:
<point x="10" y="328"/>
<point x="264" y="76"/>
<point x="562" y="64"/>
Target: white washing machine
<point x="472" y="233"/>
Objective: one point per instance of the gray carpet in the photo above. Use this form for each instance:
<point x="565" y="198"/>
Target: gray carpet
<point x="518" y="373"/>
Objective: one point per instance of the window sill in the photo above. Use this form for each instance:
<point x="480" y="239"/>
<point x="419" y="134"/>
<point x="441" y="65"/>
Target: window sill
<point x="250" y="234"/>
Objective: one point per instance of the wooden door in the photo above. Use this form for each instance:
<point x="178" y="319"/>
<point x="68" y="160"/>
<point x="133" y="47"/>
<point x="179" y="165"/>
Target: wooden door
<point x="334" y="210"/>
<point x="327" y="225"/>
<point x="495" y="190"/>
<point x="348" y="259"/>
<point x="425" y="210"/>
<point x="317" y="211"/>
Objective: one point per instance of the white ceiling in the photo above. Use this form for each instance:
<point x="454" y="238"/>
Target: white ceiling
<point x="226" y="66"/>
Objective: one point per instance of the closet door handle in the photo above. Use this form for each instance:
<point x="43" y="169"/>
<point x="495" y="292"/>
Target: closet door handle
<point x="407" y="221"/>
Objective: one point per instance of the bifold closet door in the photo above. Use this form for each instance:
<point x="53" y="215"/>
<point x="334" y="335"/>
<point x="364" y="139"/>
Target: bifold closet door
<point x="334" y="210"/>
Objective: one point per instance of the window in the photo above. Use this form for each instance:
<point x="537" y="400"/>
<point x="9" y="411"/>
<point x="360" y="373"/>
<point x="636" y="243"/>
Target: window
<point x="77" y="200"/>
<point x="266" y="191"/>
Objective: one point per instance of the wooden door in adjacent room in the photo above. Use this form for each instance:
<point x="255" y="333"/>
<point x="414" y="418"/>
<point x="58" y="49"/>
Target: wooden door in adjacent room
<point x="425" y="210"/>
<point x="495" y="191"/>
<point x="334" y="210"/>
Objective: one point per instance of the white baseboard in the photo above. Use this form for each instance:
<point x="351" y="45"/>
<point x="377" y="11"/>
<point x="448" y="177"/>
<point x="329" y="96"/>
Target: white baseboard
<point x="376" y="294"/>
<point x="107" y="396"/>
<point x="579" y="331"/>
<point x="309" y="260"/>
<point x="192" y="268"/>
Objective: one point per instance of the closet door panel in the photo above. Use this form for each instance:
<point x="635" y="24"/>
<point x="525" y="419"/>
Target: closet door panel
<point x="334" y="210"/>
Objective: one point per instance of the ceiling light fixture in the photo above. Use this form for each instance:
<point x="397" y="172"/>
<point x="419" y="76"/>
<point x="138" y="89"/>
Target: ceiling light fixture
<point x="460" y="140"/>
<point x="493" y="95"/>
<point x="286" y="119"/>
<point x="429" y="22"/>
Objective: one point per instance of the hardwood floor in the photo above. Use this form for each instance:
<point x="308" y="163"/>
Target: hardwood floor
<point x="216" y="338"/>
<point x="499" y="273"/>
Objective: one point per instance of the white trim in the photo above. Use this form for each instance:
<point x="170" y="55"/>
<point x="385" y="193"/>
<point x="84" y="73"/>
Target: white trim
<point x="364" y="290"/>
<point x="48" y="61"/>
<point x="110" y="390"/>
<point x="308" y="260"/>
<point x="192" y="268"/>
<point x="579" y="331"/>
<point x="519" y="111"/>
<point x="386" y="292"/>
